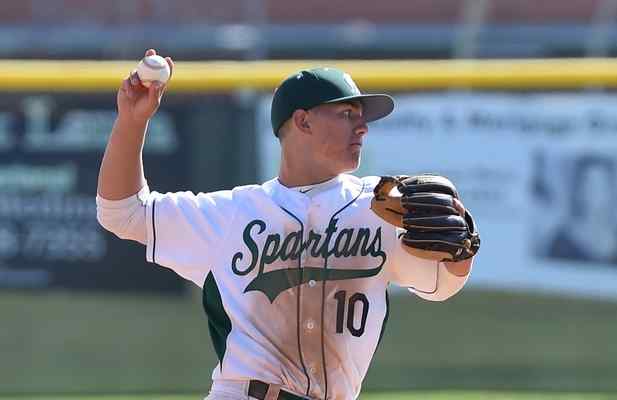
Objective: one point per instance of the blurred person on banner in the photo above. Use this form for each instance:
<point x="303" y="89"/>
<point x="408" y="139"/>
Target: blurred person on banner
<point x="589" y="231"/>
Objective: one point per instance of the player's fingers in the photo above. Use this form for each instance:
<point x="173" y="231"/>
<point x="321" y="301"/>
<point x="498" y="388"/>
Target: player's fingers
<point x="134" y="78"/>
<point x="171" y="66"/>
<point x="162" y="90"/>
<point x="150" y="52"/>
<point x="125" y="89"/>
<point x="154" y="92"/>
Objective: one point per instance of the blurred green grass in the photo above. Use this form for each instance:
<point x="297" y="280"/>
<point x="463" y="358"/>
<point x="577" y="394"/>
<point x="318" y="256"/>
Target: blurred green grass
<point x="57" y="342"/>
<point x="421" y="395"/>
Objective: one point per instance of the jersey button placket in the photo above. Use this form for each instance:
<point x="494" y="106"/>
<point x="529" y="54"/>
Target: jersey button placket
<point x="311" y="339"/>
<point x="311" y="312"/>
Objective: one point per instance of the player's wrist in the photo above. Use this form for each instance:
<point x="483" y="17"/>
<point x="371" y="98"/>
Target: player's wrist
<point x="459" y="268"/>
<point x="132" y="123"/>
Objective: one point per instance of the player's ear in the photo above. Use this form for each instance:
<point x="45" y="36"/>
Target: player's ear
<point x="301" y="122"/>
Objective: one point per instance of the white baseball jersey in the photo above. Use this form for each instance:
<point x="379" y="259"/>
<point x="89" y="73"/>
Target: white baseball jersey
<point x="294" y="280"/>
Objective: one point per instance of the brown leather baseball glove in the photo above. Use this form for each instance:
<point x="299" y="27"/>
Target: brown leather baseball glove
<point x="424" y="206"/>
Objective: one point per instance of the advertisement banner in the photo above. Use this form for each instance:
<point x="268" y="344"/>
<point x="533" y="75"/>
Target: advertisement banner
<point x="538" y="171"/>
<point x="50" y="152"/>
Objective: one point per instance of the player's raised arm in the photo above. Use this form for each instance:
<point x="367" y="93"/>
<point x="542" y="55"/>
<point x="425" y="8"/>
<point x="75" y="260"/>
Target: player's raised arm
<point x="121" y="174"/>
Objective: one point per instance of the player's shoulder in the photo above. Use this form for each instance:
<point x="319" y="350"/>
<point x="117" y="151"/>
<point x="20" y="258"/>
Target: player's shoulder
<point x="247" y="192"/>
<point x="365" y="183"/>
<point x="246" y="189"/>
<point x="237" y="197"/>
<point x="370" y="182"/>
<point x="215" y="195"/>
<point x="242" y="192"/>
<point x="253" y="191"/>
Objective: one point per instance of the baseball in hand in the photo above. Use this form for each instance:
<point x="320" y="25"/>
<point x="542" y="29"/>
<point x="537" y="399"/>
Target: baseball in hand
<point x="153" y="68"/>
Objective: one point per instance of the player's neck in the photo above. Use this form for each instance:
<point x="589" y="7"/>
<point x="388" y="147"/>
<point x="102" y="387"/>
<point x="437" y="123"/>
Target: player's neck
<point x="289" y="178"/>
<point x="298" y="171"/>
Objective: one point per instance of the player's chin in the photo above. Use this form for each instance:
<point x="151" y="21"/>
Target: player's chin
<point x="353" y="163"/>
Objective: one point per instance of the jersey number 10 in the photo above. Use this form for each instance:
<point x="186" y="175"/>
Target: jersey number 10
<point x="341" y="297"/>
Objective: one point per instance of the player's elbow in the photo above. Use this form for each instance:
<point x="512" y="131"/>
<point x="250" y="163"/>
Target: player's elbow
<point x="441" y="294"/>
<point x="447" y="283"/>
<point x="112" y="223"/>
<point x="124" y="222"/>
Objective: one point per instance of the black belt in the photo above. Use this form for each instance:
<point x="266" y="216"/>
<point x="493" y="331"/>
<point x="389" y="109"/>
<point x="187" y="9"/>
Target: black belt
<point x="258" y="390"/>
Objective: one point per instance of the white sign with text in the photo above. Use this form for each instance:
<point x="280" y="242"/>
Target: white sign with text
<point x="538" y="171"/>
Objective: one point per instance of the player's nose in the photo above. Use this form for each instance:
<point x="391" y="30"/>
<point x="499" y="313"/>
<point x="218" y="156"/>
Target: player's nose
<point x="361" y="129"/>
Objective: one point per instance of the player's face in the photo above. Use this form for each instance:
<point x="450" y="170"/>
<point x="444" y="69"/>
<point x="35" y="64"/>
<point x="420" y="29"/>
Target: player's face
<point x="338" y="131"/>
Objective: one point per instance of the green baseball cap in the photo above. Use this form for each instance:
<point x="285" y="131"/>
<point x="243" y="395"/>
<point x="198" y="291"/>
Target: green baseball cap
<point x="309" y="88"/>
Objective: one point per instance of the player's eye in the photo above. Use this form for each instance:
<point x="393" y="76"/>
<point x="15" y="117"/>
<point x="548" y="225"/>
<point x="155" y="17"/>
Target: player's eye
<point x="347" y="114"/>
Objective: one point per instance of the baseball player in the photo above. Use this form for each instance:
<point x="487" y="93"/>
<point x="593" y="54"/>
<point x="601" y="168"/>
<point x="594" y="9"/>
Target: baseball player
<point x="294" y="271"/>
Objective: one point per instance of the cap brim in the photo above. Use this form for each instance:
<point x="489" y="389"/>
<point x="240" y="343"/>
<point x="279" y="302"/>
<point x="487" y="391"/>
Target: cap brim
<point x="374" y="106"/>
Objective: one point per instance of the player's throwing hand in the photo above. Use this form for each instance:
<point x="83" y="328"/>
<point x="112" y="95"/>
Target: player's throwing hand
<point x="137" y="102"/>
